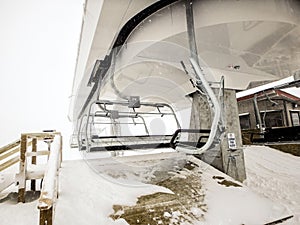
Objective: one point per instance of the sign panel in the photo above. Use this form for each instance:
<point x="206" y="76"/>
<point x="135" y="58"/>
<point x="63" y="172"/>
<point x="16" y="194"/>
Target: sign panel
<point x="231" y="141"/>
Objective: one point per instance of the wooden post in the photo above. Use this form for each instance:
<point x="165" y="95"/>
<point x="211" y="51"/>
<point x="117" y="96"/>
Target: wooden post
<point x="33" y="161"/>
<point x="61" y="146"/>
<point x="46" y="216"/>
<point x="49" y="192"/>
<point x="22" y="170"/>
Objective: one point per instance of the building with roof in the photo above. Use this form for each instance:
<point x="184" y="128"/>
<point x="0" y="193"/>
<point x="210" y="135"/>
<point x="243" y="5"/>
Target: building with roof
<point x="272" y="108"/>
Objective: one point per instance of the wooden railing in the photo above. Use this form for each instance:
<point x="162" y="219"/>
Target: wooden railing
<point x="25" y="172"/>
<point x="8" y="155"/>
<point x="27" y="147"/>
<point x="49" y="192"/>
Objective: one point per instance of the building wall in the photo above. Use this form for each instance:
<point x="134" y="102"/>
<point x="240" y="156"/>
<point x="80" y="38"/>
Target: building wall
<point x="247" y="106"/>
<point x="290" y="108"/>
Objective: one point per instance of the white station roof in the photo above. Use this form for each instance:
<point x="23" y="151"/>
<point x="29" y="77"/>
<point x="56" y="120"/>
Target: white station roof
<point x="242" y="40"/>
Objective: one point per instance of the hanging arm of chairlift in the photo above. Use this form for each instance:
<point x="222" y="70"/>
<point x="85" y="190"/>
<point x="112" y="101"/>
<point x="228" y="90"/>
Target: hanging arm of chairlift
<point x="216" y="130"/>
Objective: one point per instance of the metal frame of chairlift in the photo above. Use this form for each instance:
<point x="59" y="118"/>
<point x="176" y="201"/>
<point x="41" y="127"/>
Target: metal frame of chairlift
<point x="217" y="128"/>
<point x="106" y="115"/>
<point x="199" y="80"/>
<point x="86" y="139"/>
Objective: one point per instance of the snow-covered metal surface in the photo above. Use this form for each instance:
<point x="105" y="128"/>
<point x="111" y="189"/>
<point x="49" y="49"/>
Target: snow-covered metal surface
<point x="275" y="84"/>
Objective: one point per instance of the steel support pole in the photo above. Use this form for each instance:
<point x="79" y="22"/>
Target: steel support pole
<point x="257" y="114"/>
<point x="220" y="156"/>
<point x="191" y="30"/>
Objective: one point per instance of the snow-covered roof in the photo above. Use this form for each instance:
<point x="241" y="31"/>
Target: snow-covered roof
<point x="274" y="94"/>
<point x="261" y="88"/>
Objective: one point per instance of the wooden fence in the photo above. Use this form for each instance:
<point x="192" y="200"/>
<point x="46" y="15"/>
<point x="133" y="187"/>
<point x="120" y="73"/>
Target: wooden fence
<point x="27" y="147"/>
<point x="49" y="192"/>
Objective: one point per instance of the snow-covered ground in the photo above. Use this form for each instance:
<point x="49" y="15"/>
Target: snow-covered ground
<point x="87" y="196"/>
<point x="275" y="175"/>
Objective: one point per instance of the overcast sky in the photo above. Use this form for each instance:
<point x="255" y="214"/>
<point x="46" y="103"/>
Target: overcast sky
<point x="38" y="50"/>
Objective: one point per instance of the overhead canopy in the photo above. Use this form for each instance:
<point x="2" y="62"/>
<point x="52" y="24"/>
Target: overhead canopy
<point x="242" y="40"/>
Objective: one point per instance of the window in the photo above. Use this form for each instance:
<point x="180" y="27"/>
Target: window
<point x="245" y="122"/>
<point x="272" y="119"/>
<point x="295" y="118"/>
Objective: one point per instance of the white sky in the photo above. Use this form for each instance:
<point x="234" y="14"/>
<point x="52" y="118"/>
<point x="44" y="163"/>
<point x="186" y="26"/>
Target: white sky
<point x="38" y="48"/>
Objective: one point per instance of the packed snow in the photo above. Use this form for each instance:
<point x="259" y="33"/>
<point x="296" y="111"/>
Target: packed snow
<point x="275" y="175"/>
<point x="86" y="197"/>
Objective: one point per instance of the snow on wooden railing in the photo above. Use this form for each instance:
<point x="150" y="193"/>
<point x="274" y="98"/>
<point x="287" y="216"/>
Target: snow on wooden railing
<point x="6" y="155"/>
<point x="9" y="156"/>
<point x="27" y="169"/>
<point x="49" y="192"/>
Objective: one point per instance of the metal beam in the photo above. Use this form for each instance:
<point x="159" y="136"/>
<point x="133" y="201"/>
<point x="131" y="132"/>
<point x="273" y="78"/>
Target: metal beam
<point x="191" y="30"/>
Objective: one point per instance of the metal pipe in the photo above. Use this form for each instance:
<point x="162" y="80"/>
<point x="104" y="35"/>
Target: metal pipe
<point x="257" y="114"/>
<point x="202" y="85"/>
<point x="217" y="113"/>
<point x="191" y="30"/>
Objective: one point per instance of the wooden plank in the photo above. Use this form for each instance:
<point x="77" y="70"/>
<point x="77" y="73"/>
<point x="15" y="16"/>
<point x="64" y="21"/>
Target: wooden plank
<point x="9" y="153"/>
<point x="40" y="136"/>
<point x="46" y="217"/>
<point x="34" y="149"/>
<point x="12" y="145"/>
<point x="29" y="143"/>
<point x="33" y="161"/>
<point x="9" y="146"/>
<point x="22" y="169"/>
<point x="50" y="183"/>
<point x="21" y="195"/>
<point x="33" y="154"/>
<point x="33" y="175"/>
<point x="9" y="163"/>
